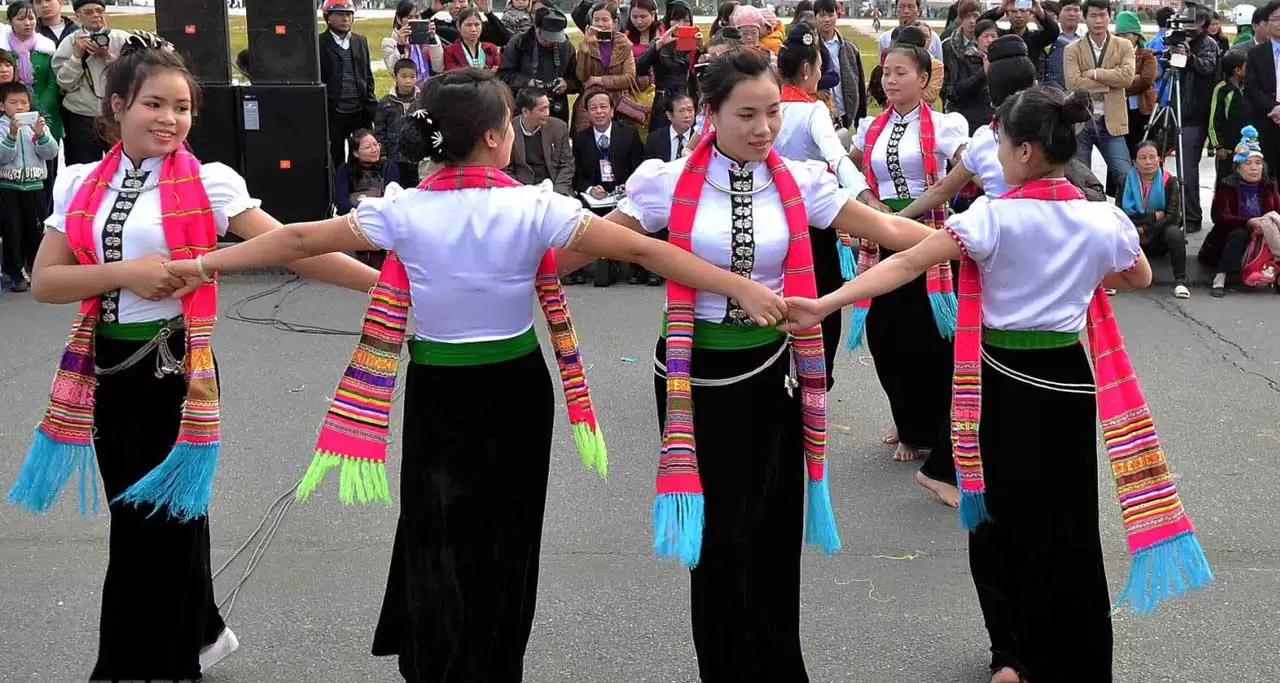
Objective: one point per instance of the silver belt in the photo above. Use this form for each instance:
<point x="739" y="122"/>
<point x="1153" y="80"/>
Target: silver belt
<point x="166" y="362"/>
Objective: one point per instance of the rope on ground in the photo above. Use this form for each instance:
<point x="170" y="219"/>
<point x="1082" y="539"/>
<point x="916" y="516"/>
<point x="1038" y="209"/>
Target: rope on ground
<point x="278" y="509"/>
<point x="236" y="311"/>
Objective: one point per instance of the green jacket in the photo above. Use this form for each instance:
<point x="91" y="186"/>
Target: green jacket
<point x="1245" y="35"/>
<point x="48" y="97"/>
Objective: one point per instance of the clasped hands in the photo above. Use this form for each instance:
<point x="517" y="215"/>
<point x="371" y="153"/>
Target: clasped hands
<point x="790" y="314"/>
<point x="153" y="277"/>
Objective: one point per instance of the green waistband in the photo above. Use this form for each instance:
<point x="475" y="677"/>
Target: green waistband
<point x="1020" y="340"/>
<point x="897" y="204"/>
<point x="721" y="337"/>
<point x="427" y="352"/>
<point x="144" y="331"/>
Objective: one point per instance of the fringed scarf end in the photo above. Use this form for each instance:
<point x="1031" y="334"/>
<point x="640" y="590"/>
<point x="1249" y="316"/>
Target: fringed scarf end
<point x="1163" y="571"/>
<point x="358" y="480"/>
<point x="677" y="527"/>
<point x="182" y="484"/>
<point x="46" y="469"/>
<point x="590" y="442"/>
<point x="945" y="310"/>
<point x="820" y="521"/>
<point x="848" y="261"/>
<point x="973" y="510"/>
<point x="857" y="326"/>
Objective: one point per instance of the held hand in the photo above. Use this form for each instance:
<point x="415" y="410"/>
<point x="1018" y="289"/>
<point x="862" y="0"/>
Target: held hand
<point x="38" y="129"/>
<point x="803" y="313"/>
<point x="148" y="278"/>
<point x="1180" y="49"/>
<point x="1159" y="215"/>
<point x="187" y="270"/>
<point x="13" y="128"/>
<point x="667" y="38"/>
<point x="589" y="36"/>
<point x="82" y="45"/>
<point x="598" y="192"/>
<point x="559" y="86"/>
<point x="403" y="33"/>
<point x="764" y="307"/>
<point x="593" y="82"/>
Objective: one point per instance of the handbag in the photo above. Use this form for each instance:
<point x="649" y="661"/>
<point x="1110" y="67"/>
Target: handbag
<point x="630" y="107"/>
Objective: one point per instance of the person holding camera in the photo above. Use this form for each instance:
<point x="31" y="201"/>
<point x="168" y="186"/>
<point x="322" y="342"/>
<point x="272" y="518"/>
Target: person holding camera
<point x="413" y="38"/>
<point x="1199" y="77"/>
<point x="542" y="57"/>
<point x="1020" y="13"/>
<point x="79" y="64"/>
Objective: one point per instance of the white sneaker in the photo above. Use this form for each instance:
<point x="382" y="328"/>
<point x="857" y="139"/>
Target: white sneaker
<point x="1181" y="292"/>
<point x="223" y="646"/>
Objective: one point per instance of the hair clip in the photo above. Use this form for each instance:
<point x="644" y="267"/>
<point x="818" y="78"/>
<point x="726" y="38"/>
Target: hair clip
<point x="807" y="39"/>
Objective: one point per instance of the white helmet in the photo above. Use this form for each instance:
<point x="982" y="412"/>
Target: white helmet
<point x="1242" y="15"/>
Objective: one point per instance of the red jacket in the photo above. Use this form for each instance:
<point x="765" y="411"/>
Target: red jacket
<point x="1226" y="215"/>
<point x="456" y="58"/>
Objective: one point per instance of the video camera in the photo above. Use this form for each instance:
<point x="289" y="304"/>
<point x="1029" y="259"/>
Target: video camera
<point x="1192" y="13"/>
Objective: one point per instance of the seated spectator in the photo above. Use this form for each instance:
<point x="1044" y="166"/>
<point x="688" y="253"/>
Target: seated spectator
<point x="1240" y="202"/>
<point x="541" y="151"/>
<point x="366" y="174"/>
<point x="1152" y="199"/>
<point x="605" y="155"/>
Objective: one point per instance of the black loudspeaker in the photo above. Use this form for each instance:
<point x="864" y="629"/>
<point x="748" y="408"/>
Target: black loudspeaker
<point x="285" y="150"/>
<point x="215" y="131"/>
<point x="199" y="31"/>
<point x="283" y="47"/>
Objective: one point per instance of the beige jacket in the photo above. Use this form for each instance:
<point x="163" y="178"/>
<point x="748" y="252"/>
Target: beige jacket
<point x="82" y="79"/>
<point x="1113" y="77"/>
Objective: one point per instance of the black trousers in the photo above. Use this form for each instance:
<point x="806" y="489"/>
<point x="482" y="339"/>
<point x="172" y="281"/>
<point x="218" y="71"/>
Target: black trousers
<point x="463" y="583"/>
<point x="21" y="215"/>
<point x="158" y="608"/>
<point x="1170" y="240"/>
<point x="81" y="144"/>
<point x="341" y="126"/>
<point x="1233" y="251"/>
<point x="1038" y="566"/>
<point x="745" y="591"/>
<point x="826" y="271"/>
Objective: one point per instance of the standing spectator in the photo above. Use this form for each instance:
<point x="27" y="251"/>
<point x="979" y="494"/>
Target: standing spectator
<point x="1256" y="33"/>
<point x="772" y="31"/>
<point x="1141" y="92"/>
<point x="964" y="59"/>
<point x="1050" y="70"/>
<point x="750" y="24"/>
<point x="1152" y="199"/>
<point x="34" y="54"/>
<point x="1104" y="68"/>
<point x="79" y="64"/>
<point x="849" y="96"/>
<point x="1163" y="16"/>
<point x="388" y="123"/>
<point x="517" y="17"/>
<point x="909" y="15"/>
<point x="542" y="57"/>
<point x="723" y="16"/>
<point x="1260" y="86"/>
<point x="426" y="58"/>
<point x="1198" y="80"/>
<point x="24" y="151"/>
<point x="609" y="65"/>
<point x="642" y="26"/>
<point x="1230" y="112"/>
<point x="1069" y="20"/>
<point x="541" y="150"/>
<point x="493" y="30"/>
<point x="1038" y="42"/>
<point x="52" y="24"/>
<point x="347" y="75"/>
<point x="671" y="68"/>
<point x="1215" y="32"/>
<point x="469" y="51"/>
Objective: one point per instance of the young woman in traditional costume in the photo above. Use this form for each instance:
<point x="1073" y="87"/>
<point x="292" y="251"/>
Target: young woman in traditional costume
<point x="807" y="133"/>
<point x="732" y="508"/>
<point x="902" y="151"/>
<point x="462" y="588"/>
<point x="137" y="386"/>
<point x="1021" y="373"/>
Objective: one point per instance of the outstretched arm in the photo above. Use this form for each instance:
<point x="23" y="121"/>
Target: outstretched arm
<point x="938" y="194"/>
<point x="894" y="232"/>
<point x="334" y="268"/>
<point x="269" y="244"/>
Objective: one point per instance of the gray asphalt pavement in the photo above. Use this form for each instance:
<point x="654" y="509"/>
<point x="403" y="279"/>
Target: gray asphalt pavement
<point x="896" y="605"/>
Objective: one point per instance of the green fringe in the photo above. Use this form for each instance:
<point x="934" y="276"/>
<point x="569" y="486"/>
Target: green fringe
<point x="590" y="443"/>
<point x="363" y="480"/>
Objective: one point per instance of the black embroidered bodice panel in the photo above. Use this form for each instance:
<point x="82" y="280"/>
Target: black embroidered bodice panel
<point x="113" y="234"/>
<point x="742" y="258"/>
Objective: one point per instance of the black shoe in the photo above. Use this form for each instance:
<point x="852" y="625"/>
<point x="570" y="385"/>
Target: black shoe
<point x="655" y="280"/>
<point x="606" y="272"/>
<point x="19" y="285"/>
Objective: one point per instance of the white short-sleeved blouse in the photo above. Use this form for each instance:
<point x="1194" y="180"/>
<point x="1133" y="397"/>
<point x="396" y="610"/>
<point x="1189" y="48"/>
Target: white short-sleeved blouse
<point x="143" y="233"/>
<point x="901" y="154"/>
<point x="981" y="159"/>
<point x="1041" y="261"/>
<point x="720" y="233"/>
<point x="807" y="134"/>
<point x="471" y="255"/>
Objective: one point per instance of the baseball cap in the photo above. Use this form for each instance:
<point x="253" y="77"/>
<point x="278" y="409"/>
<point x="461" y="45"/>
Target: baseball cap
<point x="551" y="25"/>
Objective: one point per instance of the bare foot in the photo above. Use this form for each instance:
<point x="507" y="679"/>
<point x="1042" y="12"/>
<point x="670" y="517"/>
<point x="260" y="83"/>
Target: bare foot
<point x="906" y="453"/>
<point x="1006" y="675"/>
<point x="890" y="437"/>
<point x="946" y="493"/>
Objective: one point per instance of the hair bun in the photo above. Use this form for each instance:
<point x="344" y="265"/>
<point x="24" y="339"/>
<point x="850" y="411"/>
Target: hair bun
<point x="142" y="39"/>
<point x="422" y="138"/>
<point x="909" y="35"/>
<point x="802" y="34"/>
<point x="1005" y="47"/>
<point x="1076" y="108"/>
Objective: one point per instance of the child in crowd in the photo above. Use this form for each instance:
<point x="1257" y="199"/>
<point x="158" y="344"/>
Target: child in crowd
<point x="516" y="16"/>
<point x="1152" y="199"/>
<point x="1229" y="113"/>
<point x="25" y="147"/>
<point x="1242" y="205"/>
<point x="8" y="67"/>
<point x="389" y="120"/>
<point x="366" y="174"/>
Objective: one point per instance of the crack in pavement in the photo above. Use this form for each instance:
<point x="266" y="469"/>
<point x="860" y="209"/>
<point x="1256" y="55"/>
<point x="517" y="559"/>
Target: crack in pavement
<point x="1193" y="321"/>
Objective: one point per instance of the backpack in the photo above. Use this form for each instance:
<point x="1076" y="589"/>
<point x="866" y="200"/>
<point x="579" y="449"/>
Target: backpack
<point x="1258" y="268"/>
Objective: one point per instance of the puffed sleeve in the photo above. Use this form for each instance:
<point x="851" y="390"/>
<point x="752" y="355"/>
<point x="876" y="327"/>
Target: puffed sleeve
<point x="953" y="133"/>
<point x="976" y="230"/>
<point x="823" y="196"/>
<point x="64" y="190"/>
<point x="649" y="193"/>
<point x="969" y="156"/>
<point x="1127" y="244"/>
<point x="380" y="218"/>
<point x="860" y="138"/>
<point x="228" y="194"/>
<point x="556" y="216"/>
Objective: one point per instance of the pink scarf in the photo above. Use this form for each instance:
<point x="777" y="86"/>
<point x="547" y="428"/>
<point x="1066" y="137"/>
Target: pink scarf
<point x="26" y="73"/>
<point x="1165" y="555"/>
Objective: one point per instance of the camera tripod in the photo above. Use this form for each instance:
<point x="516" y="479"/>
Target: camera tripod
<point x="1166" y="119"/>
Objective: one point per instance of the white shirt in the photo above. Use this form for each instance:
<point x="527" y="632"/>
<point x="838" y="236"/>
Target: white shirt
<point x="143" y="232"/>
<point x="343" y="41"/>
<point x="648" y="200"/>
<point x="950" y="132"/>
<point x="1042" y="260"/>
<point x="980" y="159"/>
<point x="601" y="134"/>
<point x="807" y="134"/>
<point x="935" y="45"/>
<point x="471" y="276"/>
<point x="684" y="145"/>
<point x="837" y="93"/>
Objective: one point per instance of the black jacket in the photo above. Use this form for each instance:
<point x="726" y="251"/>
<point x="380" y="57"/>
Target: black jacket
<point x="1036" y="41"/>
<point x="525" y="60"/>
<point x="625" y="153"/>
<point x="493" y="31"/>
<point x="388" y="121"/>
<point x="331" y="71"/>
<point x="1260" y="88"/>
<point x="658" y="144"/>
<point x="1199" y="78"/>
<point x="70" y="27"/>
<point x="670" y="68"/>
<point x="964" y="83"/>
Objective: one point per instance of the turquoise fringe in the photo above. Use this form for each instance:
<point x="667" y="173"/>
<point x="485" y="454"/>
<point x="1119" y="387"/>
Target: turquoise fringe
<point x="973" y="510"/>
<point x="857" y="325"/>
<point x="48" y="466"/>
<point x="820" y="521"/>
<point x="182" y="483"/>
<point x="1163" y="571"/>
<point x="677" y="527"/>
<point x="848" y="261"/>
<point x="945" y="310"/>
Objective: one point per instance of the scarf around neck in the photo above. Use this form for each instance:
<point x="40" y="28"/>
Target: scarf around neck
<point x="355" y="431"/>
<point x="844" y="248"/>
<point x="1134" y="203"/>
<point x="678" y="509"/>
<point x="1165" y="555"/>
<point x="63" y="442"/>
<point x="942" y="298"/>
<point x="26" y="72"/>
